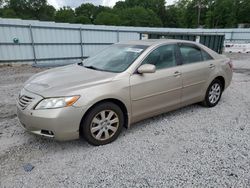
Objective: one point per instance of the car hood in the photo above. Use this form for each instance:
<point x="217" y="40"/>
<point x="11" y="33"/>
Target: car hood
<point x="66" y="80"/>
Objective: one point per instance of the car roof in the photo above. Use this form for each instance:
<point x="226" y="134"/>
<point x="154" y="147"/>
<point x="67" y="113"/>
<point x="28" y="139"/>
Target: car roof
<point x="150" y="42"/>
<point x="155" y="42"/>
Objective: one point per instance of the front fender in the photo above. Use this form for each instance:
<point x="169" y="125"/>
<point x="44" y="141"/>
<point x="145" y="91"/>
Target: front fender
<point x="116" y="89"/>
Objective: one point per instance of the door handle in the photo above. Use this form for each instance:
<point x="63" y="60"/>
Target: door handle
<point x="177" y="73"/>
<point x="211" y="66"/>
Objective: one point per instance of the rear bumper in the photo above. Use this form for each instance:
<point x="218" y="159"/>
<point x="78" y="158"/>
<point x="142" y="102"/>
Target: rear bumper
<point x="61" y="124"/>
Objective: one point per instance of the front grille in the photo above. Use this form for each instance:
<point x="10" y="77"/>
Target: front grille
<point x="24" y="101"/>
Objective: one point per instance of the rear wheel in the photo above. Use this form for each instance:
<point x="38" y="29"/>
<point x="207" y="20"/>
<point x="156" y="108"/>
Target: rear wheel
<point x="213" y="93"/>
<point x="102" y="124"/>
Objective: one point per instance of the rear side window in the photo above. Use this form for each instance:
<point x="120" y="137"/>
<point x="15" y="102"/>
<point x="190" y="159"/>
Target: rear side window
<point x="206" y="56"/>
<point x="190" y="54"/>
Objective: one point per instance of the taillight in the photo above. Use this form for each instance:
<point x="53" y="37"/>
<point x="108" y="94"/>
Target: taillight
<point x="230" y="64"/>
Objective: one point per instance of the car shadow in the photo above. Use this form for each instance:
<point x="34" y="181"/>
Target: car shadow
<point x="166" y="116"/>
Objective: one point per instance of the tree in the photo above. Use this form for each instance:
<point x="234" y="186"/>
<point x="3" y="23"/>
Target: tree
<point x="191" y="14"/>
<point x="46" y="13"/>
<point x="88" y="10"/>
<point x="172" y="17"/>
<point x="106" y="18"/>
<point x="154" y="13"/>
<point x="157" y="6"/>
<point x="221" y="14"/>
<point x="8" y="13"/>
<point x="179" y="9"/>
<point x="120" y="5"/>
<point x="29" y="9"/>
<point x="65" y="14"/>
<point x="82" y="20"/>
<point x="20" y="8"/>
<point x="243" y="11"/>
<point x="139" y="16"/>
<point x="41" y="10"/>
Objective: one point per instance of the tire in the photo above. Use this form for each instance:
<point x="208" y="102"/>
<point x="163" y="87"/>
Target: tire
<point x="102" y="124"/>
<point x="213" y="94"/>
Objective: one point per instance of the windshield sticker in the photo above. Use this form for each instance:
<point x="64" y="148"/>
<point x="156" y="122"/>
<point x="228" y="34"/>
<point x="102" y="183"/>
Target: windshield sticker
<point x="135" y="50"/>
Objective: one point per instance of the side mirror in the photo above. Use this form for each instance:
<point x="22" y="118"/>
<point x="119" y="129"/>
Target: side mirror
<point x="146" y="68"/>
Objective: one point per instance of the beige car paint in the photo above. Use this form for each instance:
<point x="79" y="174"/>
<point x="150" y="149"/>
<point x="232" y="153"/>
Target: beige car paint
<point x="143" y="95"/>
<point x="151" y="93"/>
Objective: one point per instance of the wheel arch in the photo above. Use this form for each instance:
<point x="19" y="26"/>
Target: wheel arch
<point x="222" y="80"/>
<point x="113" y="100"/>
<point x="210" y="80"/>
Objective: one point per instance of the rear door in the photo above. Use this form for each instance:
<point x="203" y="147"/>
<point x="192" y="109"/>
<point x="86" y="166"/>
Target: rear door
<point x="196" y="68"/>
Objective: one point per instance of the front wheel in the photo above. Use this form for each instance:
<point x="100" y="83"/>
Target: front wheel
<point x="213" y="93"/>
<point x="102" y="124"/>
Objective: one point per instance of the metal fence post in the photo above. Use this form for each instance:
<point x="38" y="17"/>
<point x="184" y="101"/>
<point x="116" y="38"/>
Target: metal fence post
<point x="32" y="43"/>
<point x="81" y="44"/>
<point x="232" y="35"/>
<point x="117" y="36"/>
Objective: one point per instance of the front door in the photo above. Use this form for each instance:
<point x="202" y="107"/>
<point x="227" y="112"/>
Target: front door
<point x="153" y="93"/>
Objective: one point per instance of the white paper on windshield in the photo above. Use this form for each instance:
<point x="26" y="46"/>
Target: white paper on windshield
<point x="135" y="50"/>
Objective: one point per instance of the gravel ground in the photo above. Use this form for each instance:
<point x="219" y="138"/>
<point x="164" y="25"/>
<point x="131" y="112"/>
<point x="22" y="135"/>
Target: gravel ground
<point x="190" y="147"/>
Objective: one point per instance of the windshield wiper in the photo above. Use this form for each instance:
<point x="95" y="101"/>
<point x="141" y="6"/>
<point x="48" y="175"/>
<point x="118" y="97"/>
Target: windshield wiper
<point x="80" y="63"/>
<point x="91" y="67"/>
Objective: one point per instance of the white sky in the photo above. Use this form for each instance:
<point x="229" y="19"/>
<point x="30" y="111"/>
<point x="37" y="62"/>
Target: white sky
<point x="75" y="3"/>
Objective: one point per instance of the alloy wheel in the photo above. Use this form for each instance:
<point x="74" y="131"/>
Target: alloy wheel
<point x="104" y="125"/>
<point x="214" y="93"/>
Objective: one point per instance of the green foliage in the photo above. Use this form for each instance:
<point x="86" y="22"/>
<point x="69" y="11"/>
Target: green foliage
<point x="152" y="13"/>
<point x="65" y="14"/>
<point x="244" y="11"/>
<point x="172" y="17"/>
<point x="8" y="13"/>
<point x="223" y="14"/>
<point x="120" y="5"/>
<point x="90" y="11"/>
<point x="28" y="9"/>
<point x="106" y="18"/>
<point x="157" y="6"/>
<point x="82" y="20"/>
<point x="139" y="16"/>
<point x="46" y="13"/>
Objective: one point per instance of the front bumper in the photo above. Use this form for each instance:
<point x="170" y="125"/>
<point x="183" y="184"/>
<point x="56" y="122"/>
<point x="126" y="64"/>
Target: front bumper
<point x="61" y="124"/>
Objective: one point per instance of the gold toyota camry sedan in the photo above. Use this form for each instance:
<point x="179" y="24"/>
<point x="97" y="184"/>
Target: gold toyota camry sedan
<point x="123" y="84"/>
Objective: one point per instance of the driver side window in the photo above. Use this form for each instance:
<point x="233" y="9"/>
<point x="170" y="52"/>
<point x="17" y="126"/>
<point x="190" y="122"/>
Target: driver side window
<point x="162" y="57"/>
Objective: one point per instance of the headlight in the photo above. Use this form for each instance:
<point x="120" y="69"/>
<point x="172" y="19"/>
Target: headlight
<point x="59" y="102"/>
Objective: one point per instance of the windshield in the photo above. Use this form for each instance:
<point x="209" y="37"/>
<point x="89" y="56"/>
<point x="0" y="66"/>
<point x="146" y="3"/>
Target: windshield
<point x="116" y="58"/>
